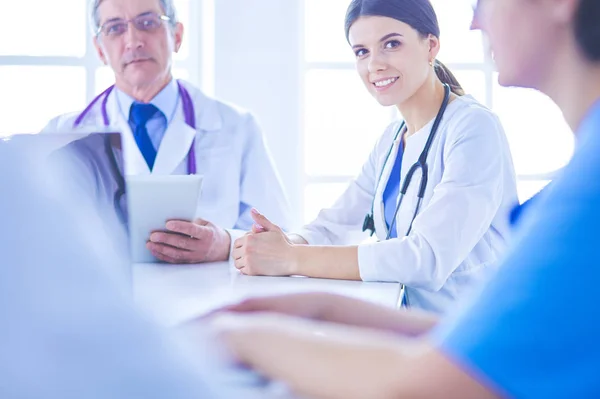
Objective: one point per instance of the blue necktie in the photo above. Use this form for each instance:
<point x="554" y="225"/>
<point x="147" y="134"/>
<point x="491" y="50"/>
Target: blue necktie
<point x="391" y="192"/>
<point x="139" y="115"/>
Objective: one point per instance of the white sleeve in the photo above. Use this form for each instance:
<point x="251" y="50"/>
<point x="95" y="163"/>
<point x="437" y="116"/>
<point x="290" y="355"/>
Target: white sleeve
<point x="65" y="124"/>
<point x="52" y="126"/>
<point x="260" y="185"/>
<point x="343" y="222"/>
<point x="462" y="208"/>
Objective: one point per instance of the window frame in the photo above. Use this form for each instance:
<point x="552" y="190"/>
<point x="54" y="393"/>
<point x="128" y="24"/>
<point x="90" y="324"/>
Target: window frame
<point x="90" y="62"/>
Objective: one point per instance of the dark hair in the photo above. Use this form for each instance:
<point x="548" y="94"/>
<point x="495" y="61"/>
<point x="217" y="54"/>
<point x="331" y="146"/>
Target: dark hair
<point x="587" y="28"/>
<point x="419" y="14"/>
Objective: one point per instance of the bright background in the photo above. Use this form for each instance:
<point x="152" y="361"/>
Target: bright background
<point x="288" y="62"/>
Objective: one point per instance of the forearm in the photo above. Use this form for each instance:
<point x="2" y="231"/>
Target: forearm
<point x="359" y="313"/>
<point x="334" y="262"/>
<point x="360" y="365"/>
<point x="341" y="365"/>
<point x="324" y="360"/>
<point x="346" y="370"/>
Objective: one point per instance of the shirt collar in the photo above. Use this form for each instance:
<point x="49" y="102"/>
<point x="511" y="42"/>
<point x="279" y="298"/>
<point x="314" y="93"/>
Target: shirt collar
<point x="166" y="101"/>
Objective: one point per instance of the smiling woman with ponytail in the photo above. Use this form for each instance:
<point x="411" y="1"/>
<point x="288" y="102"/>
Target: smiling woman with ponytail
<point x="438" y="242"/>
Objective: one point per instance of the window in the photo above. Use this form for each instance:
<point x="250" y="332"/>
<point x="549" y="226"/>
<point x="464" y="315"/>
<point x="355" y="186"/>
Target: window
<point x="54" y="68"/>
<point x="341" y="118"/>
<point x="33" y="94"/>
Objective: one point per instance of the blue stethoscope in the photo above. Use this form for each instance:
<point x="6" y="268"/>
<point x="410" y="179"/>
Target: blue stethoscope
<point x="190" y="119"/>
<point x="369" y="223"/>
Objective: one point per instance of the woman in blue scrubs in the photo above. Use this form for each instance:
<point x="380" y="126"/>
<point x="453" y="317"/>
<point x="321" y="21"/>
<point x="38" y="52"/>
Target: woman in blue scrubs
<point x="533" y="332"/>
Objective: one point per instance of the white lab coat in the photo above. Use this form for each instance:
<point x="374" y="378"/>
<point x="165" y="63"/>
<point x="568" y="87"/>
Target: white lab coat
<point x="462" y="227"/>
<point x="231" y="154"/>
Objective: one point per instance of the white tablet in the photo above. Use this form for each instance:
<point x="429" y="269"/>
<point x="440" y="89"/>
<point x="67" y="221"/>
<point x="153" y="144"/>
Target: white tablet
<point x="152" y="200"/>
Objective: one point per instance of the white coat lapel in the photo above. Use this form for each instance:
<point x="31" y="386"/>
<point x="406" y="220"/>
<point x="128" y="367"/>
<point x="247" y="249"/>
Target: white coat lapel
<point x="412" y="151"/>
<point x="135" y="164"/>
<point x="175" y="146"/>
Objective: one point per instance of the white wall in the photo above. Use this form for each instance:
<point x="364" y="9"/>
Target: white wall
<point x="257" y="66"/>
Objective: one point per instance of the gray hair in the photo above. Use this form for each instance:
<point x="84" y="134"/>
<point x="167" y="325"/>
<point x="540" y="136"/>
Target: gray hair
<point x="168" y="7"/>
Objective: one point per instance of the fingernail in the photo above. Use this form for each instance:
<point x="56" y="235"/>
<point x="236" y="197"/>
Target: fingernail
<point x="259" y="227"/>
<point x="255" y="211"/>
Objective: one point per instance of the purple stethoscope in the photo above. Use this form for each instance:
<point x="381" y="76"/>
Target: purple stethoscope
<point x="190" y="119"/>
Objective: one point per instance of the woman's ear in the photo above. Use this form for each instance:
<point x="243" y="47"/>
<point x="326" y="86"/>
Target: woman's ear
<point x="434" y="46"/>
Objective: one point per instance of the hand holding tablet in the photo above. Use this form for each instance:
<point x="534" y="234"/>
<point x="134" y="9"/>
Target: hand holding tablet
<point x="152" y="201"/>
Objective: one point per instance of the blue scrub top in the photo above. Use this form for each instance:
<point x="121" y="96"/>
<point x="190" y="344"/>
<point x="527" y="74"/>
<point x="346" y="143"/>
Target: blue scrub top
<point x="392" y="191"/>
<point x="534" y="332"/>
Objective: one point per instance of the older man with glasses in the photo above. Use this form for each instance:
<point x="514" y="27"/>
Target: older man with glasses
<point x="170" y="127"/>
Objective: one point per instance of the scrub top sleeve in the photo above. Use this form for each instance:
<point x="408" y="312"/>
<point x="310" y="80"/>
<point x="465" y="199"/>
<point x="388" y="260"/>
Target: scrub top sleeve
<point x="533" y="332"/>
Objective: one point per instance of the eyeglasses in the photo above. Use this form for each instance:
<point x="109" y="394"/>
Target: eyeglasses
<point x="148" y="22"/>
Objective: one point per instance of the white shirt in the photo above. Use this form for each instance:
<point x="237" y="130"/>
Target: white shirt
<point x="231" y="154"/>
<point x="462" y="227"/>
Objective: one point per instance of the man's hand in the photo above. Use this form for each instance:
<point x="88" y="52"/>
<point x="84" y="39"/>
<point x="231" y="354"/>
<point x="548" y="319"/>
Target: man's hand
<point x="190" y="242"/>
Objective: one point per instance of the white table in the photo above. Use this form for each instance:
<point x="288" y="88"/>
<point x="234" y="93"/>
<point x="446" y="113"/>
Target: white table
<point x="173" y="294"/>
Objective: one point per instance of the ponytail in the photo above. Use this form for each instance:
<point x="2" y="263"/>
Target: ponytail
<point x="446" y="76"/>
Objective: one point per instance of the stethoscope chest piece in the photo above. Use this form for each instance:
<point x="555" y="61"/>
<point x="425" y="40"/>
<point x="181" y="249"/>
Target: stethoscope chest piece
<point x="369" y="224"/>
